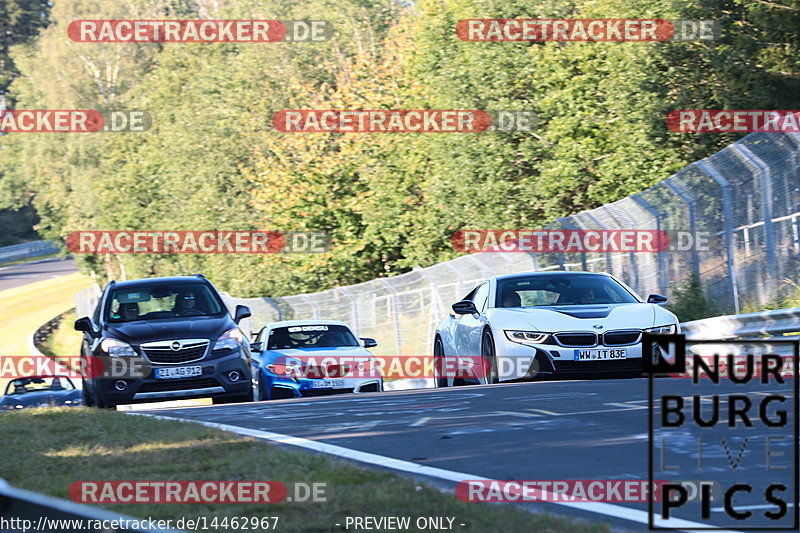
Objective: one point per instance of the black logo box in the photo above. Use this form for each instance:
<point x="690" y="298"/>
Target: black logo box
<point x="654" y="364"/>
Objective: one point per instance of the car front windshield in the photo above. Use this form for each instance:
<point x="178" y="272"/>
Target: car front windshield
<point x="149" y="302"/>
<point x="39" y="384"/>
<point x="311" y="336"/>
<point x="561" y="290"/>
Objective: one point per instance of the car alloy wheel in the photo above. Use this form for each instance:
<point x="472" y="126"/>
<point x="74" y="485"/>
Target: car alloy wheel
<point x="439" y="363"/>
<point x="489" y="358"/>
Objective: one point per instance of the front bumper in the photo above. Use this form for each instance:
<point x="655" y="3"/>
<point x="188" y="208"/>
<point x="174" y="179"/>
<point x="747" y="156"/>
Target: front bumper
<point x="519" y="361"/>
<point x="215" y="380"/>
<point x="280" y="387"/>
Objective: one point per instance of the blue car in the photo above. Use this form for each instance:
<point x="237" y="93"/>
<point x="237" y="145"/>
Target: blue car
<point x="304" y="358"/>
<point x="40" y="391"/>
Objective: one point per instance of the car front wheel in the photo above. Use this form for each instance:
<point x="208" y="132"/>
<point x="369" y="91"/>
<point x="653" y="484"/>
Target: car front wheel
<point x="489" y="358"/>
<point x="439" y="363"/>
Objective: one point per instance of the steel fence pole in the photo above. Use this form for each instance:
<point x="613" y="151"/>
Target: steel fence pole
<point x="313" y="305"/>
<point x="634" y="268"/>
<point x="691" y="204"/>
<point x="572" y="226"/>
<point x="765" y="181"/>
<point x="600" y="227"/>
<point x="396" y="313"/>
<point x="727" y="224"/>
<point x="660" y="270"/>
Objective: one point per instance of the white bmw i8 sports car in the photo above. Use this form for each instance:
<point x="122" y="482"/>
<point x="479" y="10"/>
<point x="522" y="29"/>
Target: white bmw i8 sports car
<point x="539" y="323"/>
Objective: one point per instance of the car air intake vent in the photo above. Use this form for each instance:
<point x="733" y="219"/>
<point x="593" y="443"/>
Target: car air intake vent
<point x="576" y="339"/>
<point x="175" y="352"/>
<point x="179" y="384"/>
<point x="621" y="338"/>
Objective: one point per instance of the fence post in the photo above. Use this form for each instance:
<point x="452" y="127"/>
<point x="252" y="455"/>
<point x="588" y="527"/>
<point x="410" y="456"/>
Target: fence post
<point x="353" y="308"/>
<point x="765" y="180"/>
<point x="691" y="203"/>
<point x="727" y="224"/>
<point x="600" y="227"/>
<point x="437" y="305"/>
<point x="396" y="313"/>
<point x="312" y="304"/>
<point x="794" y="138"/>
<point x="572" y="226"/>
<point x="660" y="270"/>
<point x="634" y="268"/>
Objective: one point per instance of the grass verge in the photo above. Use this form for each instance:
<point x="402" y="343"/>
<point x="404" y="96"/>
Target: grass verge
<point x="45" y="450"/>
<point x="64" y="340"/>
<point x="25" y="308"/>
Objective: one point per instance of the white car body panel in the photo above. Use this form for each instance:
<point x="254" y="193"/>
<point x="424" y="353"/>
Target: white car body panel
<point x="461" y="335"/>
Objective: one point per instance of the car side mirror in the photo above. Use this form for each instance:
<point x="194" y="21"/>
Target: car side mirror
<point x="255" y="346"/>
<point x="656" y="299"/>
<point x="465" y="307"/>
<point x="242" y="311"/>
<point x="85" y="324"/>
<point x="369" y="342"/>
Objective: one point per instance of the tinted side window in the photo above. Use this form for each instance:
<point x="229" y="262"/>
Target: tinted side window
<point x="481" y="297"/>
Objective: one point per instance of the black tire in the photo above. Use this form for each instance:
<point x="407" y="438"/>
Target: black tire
<point x="489" y="357"/>
<point x="100" y="403"/>
<point x="438" y="361"/>
<point x="91" y="399"/>
<point x="88" y="400"/>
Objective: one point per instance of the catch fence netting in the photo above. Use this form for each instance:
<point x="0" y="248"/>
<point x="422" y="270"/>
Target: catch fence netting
<point x="745" y="200"/>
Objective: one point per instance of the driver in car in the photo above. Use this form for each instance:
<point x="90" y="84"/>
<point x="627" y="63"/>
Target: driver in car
<point x="185" y="304"/>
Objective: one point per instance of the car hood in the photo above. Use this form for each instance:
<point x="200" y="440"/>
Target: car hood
<point x="38" y="398"/>
<point x="583" y="317"/>
<point x="317" y="353"/>
<point x="141" y="331"/>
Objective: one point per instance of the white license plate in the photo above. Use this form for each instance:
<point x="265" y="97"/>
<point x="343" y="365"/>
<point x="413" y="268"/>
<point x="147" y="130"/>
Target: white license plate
<point x="328" y="384"/>
<point x="179" y="372"/>
<point x="600" y="355"/>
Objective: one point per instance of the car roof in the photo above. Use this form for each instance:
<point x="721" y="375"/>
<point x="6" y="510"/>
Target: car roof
<point x="549" y="273"/>
<point x="306" y="322"/>
<point x="158" y="281"/>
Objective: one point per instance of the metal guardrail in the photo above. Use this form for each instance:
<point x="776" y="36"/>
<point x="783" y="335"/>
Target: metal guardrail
<point x="22" y="510"/>
<point x="776" y="322"/>
<point x="25" y="250"/>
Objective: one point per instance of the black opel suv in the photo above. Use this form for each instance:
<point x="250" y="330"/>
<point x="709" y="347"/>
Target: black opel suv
<point x="164" y="339"/>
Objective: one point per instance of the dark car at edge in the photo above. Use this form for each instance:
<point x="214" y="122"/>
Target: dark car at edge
<point x="161" y="339"/>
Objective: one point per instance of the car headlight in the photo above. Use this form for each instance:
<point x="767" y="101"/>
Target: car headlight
<point x="230" y="340"/>
<point x="284" y="369"/>
<point x="117" y="348"/>
<point x="368" y="365"/>
<point x="526" y="337"/>
<point x="662" y="330"/>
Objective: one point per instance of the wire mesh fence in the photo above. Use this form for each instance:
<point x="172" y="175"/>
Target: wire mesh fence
<point x="744" y="199"/>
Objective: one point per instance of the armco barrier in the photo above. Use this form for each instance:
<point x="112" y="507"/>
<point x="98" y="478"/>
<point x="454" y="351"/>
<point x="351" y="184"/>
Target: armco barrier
<point x="26" y="250"/>
<point x="777" y="322"/>
<point x="22" y="510"/>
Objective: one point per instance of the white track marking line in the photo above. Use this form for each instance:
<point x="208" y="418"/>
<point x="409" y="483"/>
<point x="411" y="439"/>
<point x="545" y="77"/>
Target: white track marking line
<point x="421" y="422"/>
<point x="607" y="509"/>
<point x="521" y="415"/>
<point x="743" y="508"/>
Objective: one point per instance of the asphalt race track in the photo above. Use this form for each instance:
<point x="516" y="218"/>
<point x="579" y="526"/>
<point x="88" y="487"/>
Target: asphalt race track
<point x="551" y="430"/>
<point x="25" y="273"/>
